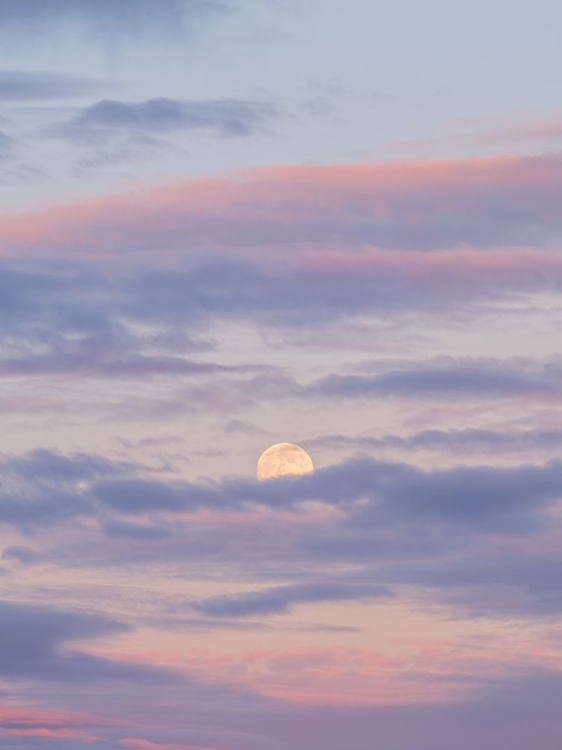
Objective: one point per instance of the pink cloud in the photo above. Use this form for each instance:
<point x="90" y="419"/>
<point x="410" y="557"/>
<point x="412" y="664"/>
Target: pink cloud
<point x="49" y="718"/>
<point x="410" y="672"/>
<point x="29" y="723"/>
<point x="548" y="131"/>
<point x="545" y="133"/>
<point x="140" y="744"/>
<point x="458" y="268"/>
<point x="419" y="205"/>
<point x="50" y="734"/>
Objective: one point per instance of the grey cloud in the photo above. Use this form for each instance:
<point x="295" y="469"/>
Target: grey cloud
<point x="120" y="529"/>
<point x="478" y="496"/>
<point x="26" y="292"/>
<point x="292" y="296"/>
<point x="43" y="464"/>
<point x="140" y="495"/>
<point x="32" y="640"/>
<point x="65" y="317"/>
<point x="53" y="487"/>
<point x="490" y="378"/>
<point x="69" y="320"/>
<point x="6" y="145"/>
<point x="399" y="524"/>
<point x="125" y="149"/>
<point x="108" y="18"/>
<point x="470" y="439"/>
<point x="46" y="509"/>
<point x="509" y="585"/>
<point x="82" y="362"/>
<point x="289" y="296"/>
<point x="281" y="599"/>
<point x="19" y="85"/>
<point x="226" y="117"/>
<point x="503" y="498"/>
<point x="23" y="555"/>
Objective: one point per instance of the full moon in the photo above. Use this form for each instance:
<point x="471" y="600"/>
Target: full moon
<point x="284" y="459"/>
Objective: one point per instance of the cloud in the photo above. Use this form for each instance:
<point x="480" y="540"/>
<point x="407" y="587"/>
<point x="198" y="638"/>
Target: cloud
<point x="68" y="321"/>
<point x="453" y="440"/>
<point x="511" y="585"/>
<point x="83" y="319"/>
<point x="53" y="482"/>
<point x="477" y="496"/>
<point x="139" y="495"/>
<point x="280" y="599"/>
<point x="504" y="202"/>
<point x="140" y="744"/>
<point x="32" y="640"/>
<point x="20" y="718"/>
<point x="19" y="85"/>
<point x="41" y="464"/>
<point x="106" y="18"/>
<point x="6" y="145"/>
<point x="120" y="529"/>
<point x="547" y="133"/>
<point x="134" y="366"/>
<point x="23" y="555"/>
<point x="110" y="118"/>
<point x="542" y="132"/>
<point x="482" y="496"/>
<point x="238" y="426"/>
<point x="30" y="725"/>
<point x="451" y="378"/>
<point x="509" y="712"/>
<point x="45" y="734"/>
<point x="391" y="524"/>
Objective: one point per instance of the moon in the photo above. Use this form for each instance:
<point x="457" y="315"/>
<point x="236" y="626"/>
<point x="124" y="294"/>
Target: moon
<point x="284" y="459"/>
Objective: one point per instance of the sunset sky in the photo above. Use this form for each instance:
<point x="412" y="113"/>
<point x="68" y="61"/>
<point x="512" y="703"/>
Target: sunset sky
<point x="226" y="224"/>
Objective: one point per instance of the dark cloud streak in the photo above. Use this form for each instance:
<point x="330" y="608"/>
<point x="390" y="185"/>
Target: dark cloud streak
<point x="109" y="118"/>
<point x="281" y="599"/>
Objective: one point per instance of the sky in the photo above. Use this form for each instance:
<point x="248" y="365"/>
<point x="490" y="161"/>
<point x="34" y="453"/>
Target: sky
<point x="226" y="224"/>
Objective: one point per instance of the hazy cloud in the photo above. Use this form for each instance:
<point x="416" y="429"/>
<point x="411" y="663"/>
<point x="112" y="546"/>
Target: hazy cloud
<point x="108" y="118"/>
<point x="20" y="85"/>
<point x="469" y="439"/>
<point x="490" y="378"/>
<point x="127" y="17"/>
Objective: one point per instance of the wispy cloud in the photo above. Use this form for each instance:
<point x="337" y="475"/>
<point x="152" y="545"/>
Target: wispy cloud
<point x="110" y="118"/>
<point x="107" y="19"/>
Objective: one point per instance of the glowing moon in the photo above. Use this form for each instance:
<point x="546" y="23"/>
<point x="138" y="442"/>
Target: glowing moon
<point x="283" y="459"/>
